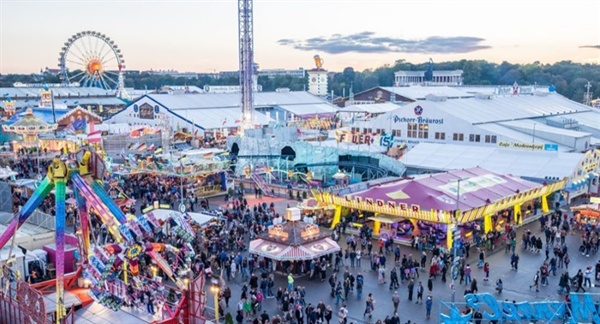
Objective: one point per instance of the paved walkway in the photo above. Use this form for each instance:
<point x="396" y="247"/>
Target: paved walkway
<point x="516" y="283"/>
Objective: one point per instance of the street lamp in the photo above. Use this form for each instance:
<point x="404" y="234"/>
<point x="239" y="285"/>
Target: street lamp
<point x="456" y="235"/>
<point x="215" y="288"/>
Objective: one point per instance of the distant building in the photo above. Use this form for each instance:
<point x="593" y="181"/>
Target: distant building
<point x="405" y="78"/>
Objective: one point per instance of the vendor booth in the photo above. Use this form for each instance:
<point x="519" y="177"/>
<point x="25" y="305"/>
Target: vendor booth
<point x="483" y="201"/>
<point x="321" y="213"/>
<point x="586" y="215"/>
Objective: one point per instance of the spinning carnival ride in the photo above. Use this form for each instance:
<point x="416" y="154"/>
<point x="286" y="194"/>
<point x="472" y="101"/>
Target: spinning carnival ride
<point x="105" y="266"/>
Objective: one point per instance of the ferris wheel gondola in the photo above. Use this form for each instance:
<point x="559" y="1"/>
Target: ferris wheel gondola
<point x="91" y="59"/>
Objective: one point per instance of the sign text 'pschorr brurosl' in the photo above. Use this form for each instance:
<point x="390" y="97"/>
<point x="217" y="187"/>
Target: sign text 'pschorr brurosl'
<point x="582" y="309"/>
<point x="418" y="120"/>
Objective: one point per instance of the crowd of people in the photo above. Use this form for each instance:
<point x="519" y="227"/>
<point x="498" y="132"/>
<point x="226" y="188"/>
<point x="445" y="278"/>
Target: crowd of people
<point x="221" y="251"/>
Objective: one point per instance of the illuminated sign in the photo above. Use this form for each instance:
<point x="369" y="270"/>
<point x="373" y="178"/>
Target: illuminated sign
<point x="356" y="138"/>
<point x="582" y="310"/>
<point x="380" y="203"/>
<point x="362" y="138"/>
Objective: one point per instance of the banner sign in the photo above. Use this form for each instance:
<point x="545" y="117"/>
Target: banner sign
<point x="365" y="138"/>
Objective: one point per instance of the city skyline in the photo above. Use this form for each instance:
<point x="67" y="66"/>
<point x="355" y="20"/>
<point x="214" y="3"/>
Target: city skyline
<point x="201" y="36"/>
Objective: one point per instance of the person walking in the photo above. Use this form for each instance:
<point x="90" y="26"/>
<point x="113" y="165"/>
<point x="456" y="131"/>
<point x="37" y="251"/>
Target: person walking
<point x="290" y="280"/>
<point x="395" y="301"/>
<point x="370" y="305"/>
<point x="486" y="270"/>
<point x="342" y="314"/>
<point x="514" y="261"/>
<point x="428" y="306"/>
<point x="430" y="284"/>
<point x="579" y="281"/>
<point x="588" y="277"/>
<point x="420" y="293"/>
<point x="467" y="275"/>
<point x="536" y="279"/>
<point x="410" y="286"/>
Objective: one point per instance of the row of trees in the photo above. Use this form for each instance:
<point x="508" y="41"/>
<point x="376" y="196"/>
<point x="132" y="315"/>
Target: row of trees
<point x="569" y="78"/>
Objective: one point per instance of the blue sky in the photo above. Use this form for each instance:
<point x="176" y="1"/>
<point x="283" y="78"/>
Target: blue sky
<point x="201" y="36"/>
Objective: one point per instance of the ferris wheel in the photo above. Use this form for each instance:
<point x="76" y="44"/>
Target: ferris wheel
<point x="91" y="59"/>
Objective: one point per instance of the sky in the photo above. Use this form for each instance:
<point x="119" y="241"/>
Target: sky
<point x="201" y="36"/>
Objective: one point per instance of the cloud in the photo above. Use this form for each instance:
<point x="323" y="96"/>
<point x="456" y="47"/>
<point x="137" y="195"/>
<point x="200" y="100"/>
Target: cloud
<point x="368" y="42"/>
<point x="590" y="46"/>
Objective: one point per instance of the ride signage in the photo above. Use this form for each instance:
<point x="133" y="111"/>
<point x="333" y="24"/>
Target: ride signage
<point x="579" y="310"/>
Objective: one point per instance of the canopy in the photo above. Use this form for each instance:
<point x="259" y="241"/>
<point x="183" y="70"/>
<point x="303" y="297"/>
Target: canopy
<point x="478" y="187"/>
<point x="282" y="252"/>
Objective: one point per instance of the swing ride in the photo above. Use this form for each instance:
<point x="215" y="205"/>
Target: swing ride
<point x="113" y="268"/>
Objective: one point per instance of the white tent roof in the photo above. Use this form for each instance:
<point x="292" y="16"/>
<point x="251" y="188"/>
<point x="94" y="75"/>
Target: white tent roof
<point x="419" y="93"/>
<point x="217" y="118"/>
<point x="310" y="109"/>
<point x="523" y="163"/>
<point x="376" y="108"/>
<point x="233" y="100"/>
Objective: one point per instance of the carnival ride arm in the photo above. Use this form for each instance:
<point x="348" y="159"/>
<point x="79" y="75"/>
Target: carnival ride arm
<point x="37" y="197"/>
<point x="97" y="204"/>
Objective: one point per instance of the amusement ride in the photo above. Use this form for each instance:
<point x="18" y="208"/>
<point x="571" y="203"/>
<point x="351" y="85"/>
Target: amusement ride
<point x="92" y="59"/>
<point x="113" y="269"/>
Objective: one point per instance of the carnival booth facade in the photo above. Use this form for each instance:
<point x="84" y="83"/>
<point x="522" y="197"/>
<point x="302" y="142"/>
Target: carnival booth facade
<point x="476" y="200"/>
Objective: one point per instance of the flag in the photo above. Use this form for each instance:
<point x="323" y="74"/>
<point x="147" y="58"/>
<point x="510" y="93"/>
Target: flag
<point x="237" y="121"/>
<point x="79" y="124"/>
<point x="136" y="132"/>
<point x="515" y="88"/>
<point x="159" y="150"/>
<point x="224" y="121"/>
<point x="151" y="148"/>
<point x="131" y="146"/>
<point x="142" y="147"/>
<point x="208" y="156"/>
<point x="182" y="158"/>
<point x="69" y="129"/>
<point x="95" y="137"/>
<point x="196" y="133"/>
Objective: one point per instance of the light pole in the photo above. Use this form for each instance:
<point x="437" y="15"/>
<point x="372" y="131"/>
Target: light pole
<point x="455" y="236"/>
<point x="214" y="288"/>
<point x="533" y="137"/>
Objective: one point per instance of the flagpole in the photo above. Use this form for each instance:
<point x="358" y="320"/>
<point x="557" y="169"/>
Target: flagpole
<point x="52" y="101"/>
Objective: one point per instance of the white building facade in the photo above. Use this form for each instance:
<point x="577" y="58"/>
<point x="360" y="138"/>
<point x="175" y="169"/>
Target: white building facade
<point x="521" y="122"/>
<point x="405" y="78"/>
<point x="317" y="82"/>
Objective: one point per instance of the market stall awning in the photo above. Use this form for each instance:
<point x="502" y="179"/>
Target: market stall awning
<point x="386" y="220"/>
<point x="283" y="252"/>
<point x="587" y="209"/>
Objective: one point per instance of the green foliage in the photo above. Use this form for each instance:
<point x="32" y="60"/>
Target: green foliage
<point x="569" y="78"/>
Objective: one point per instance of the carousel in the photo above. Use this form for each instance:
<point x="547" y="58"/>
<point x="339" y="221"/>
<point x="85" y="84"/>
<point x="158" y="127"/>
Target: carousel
<point x="293" y="242"/>
<point x="29" y="127"/>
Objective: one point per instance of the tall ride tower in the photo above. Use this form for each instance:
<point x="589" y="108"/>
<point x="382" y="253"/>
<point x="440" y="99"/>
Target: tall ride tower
<point x="247" y="67"/>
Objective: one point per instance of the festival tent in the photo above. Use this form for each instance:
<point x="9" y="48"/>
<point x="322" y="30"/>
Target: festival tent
<point x="478" y="187"/>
